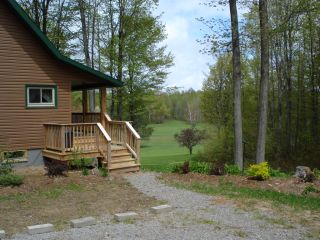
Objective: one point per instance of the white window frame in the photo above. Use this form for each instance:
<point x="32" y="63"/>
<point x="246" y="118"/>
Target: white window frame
<point x="41" y="104"/>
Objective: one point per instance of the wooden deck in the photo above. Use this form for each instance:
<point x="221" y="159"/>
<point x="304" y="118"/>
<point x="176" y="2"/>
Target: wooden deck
<point x="117" y="144"/>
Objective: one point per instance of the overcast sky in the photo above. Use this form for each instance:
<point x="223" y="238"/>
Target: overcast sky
<point x="179" y="17"/>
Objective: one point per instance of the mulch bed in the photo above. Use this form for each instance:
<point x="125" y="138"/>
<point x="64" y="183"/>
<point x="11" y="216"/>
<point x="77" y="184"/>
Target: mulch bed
<point x="284" y="185"/>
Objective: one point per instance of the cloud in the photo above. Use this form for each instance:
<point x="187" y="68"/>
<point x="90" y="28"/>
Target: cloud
<point x="183" y="31"/>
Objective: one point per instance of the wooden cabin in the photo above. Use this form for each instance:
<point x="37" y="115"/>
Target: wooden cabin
<point x="36" y="84"/>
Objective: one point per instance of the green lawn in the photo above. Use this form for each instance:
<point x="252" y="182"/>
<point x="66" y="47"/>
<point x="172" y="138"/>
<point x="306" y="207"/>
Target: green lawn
<point x="162" y="151"/>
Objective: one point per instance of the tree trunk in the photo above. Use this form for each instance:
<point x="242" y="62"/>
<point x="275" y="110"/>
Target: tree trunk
<point x="45" y="7"/>
<point x="112" y="55"/>
<point x="85" y="40"/>
<point x="264" y="78"/>
<point x="238" y="151"/>
<point x="35" y="7"/>
<point x="84" y="30"/>
<point x="93" y="28"/>
<point x="120" y="58"/>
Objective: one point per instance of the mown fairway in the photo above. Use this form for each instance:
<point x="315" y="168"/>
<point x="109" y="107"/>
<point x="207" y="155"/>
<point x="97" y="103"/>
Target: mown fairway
<point x="162" y="151"/>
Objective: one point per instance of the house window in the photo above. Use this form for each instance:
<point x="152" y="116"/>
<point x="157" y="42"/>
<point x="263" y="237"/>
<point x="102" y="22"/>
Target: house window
<point x="14" y="156"/>
<point x="41" y="96"/>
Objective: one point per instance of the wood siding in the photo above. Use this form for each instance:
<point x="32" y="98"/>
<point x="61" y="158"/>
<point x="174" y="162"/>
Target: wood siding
<point x="24" y="60"/>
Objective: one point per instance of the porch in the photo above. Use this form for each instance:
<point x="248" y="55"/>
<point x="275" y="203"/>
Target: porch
<point x="115" y="144"/>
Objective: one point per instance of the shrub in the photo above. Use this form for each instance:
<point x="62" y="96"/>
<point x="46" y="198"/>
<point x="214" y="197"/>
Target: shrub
<point x="5" y="167"/>
<point x="80" y="163"/>
<point x="181" y="168"/>
<point x="11" y="180"/>
<point x="217" y="151"/>
<point x="145" y="132"/>
<point x="85" y="171"/>
<point x="232" y="169"/>
<point x="259" y="171"/>
<point x="185" y="167"/>
<point x="55" y="168"/>
<point x="176" y="168"/>
<point x="217" y="170"/>
<point x="277" y="173"/>
<point x="199" y="167"/>
<point x="310" y="189"/>
<point x="103" y="172"/>
<point x="316" y="173"/>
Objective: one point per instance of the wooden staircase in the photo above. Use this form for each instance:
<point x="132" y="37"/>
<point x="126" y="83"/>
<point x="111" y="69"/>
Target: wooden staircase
<point x="116" y="144"/>
<point x="122" y="160"/>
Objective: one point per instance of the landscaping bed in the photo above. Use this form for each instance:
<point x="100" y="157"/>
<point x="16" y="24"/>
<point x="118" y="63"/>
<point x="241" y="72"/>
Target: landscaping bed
<point x="280" y="184"/>
<point x="41" y="199"/>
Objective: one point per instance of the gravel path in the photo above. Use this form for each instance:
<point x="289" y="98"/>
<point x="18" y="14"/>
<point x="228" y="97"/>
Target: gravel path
<point x="194" y="216"/>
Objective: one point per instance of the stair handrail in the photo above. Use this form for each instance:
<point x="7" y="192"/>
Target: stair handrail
<point x="106" y="148"/>
<point x="132" y="144"/>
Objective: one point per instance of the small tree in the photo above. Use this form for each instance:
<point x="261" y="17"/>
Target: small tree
<point x="190" y="137"/>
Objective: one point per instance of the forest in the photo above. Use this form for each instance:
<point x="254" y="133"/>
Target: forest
<point x="262" y="94"/>
<point x="280" y="64"/>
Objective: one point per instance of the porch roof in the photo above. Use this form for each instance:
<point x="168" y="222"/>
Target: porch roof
<point x="95" y="78"/>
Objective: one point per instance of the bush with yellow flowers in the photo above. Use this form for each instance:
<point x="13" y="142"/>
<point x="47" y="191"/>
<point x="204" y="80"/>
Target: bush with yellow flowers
<point x="259" y="172"/>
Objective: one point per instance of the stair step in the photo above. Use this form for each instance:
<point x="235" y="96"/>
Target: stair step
<point x="124" y="168"/>
<point x="118" y="148"/>
<point x="119" y="151"/>
<point x="124" y="154"/>
<point x="123" y="165"/>
<point x="122" y="160"/>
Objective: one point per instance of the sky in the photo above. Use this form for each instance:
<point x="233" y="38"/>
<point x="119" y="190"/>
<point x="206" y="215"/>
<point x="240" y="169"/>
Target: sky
<point x="183" y="30"/>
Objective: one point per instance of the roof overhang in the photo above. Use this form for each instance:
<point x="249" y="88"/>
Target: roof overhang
<point x="99" y="79"/>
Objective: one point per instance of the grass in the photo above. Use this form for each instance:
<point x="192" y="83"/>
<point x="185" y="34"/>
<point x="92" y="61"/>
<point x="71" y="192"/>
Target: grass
<point x="162" y="151"/>
<point x="229" y="190"/>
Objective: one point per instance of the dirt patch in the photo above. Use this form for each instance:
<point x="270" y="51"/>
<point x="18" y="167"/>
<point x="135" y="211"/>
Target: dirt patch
<point x="41" y="199"/>
<point x="283" y="185"/>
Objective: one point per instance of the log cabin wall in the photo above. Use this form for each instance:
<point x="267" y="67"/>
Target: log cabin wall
<point x="24" y="60"/>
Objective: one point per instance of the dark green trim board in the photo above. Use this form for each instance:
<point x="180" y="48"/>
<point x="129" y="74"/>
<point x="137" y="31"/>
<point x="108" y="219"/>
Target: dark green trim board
<point x="108" y="80"/>
<point x="41" y="86"/>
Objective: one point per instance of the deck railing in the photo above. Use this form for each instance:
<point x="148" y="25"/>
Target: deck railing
<point x="122" y="132"/>
<point x="85" y="117"/>
<point x="78" y="137"/>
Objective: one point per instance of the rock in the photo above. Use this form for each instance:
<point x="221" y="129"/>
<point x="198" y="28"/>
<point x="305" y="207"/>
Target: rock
<point x="304" y="174"/>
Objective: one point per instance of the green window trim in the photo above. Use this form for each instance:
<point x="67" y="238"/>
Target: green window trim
<point x="41" y="86"/>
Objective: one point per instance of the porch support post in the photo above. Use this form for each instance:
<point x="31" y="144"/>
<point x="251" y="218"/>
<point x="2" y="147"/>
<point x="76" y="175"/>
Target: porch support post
<point x="103" y="105"/>
<point x="84" y="104"/>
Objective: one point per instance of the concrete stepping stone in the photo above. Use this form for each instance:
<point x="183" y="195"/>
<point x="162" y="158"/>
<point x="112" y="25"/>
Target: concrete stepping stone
<point x="161" y="209"/>
<point x="83" y="222"/>
<point x="42" y="228"/>
<point x="120" y="217"/>
<point x="2" y="234"/>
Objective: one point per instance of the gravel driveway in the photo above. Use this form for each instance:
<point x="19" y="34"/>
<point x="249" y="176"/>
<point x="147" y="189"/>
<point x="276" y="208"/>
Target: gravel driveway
<point x="194" y="216"/>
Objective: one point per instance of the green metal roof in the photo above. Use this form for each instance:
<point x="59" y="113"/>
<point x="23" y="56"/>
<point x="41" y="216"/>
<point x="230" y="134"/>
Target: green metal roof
<point x="110" y="81"/>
